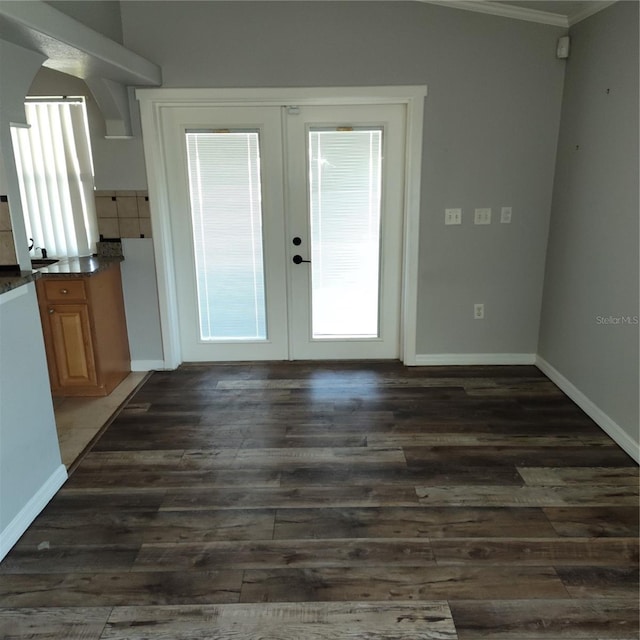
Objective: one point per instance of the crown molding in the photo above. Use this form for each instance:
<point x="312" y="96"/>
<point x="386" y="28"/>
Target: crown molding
<point x="521" y="13"/>
<point x="506" y="11"/>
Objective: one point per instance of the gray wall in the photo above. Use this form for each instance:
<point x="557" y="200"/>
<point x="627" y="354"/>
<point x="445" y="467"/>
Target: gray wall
<point x="491" y="124"/>
<point x="592" y="260"/>
<point x="17" y="68"/>
<point x="102" y="16"/>
<point x="30" y="465"/>
<point x="29" y="451"/>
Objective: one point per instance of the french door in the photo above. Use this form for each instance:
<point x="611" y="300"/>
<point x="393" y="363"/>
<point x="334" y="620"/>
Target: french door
<point x="286" y="225"/>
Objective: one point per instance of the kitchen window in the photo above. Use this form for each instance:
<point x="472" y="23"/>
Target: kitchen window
<point x="55" y="172"/>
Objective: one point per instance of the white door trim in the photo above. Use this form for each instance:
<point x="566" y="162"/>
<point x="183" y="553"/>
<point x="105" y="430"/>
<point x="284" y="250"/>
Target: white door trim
<point x="154" y="101"/>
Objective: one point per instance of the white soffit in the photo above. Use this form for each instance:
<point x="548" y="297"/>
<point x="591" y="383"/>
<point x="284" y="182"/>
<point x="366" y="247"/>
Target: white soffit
<point x="518" y="12"/>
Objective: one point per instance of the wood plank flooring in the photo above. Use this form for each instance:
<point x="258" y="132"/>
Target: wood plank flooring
<point x="317" y="501"/>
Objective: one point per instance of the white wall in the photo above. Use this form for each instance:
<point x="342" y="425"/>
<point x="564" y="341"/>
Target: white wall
<point x="491" y="124"/>
<point x="141" y="304"/>
<point x="591" y="281"/>
<point x="31" y="470"/>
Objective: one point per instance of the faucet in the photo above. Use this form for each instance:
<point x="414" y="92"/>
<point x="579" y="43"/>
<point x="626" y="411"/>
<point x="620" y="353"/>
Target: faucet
<point x="44" y="251"/>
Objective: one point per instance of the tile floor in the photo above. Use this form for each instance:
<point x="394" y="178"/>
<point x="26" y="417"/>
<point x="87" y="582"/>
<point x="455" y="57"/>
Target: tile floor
<point x="78" y="420"/>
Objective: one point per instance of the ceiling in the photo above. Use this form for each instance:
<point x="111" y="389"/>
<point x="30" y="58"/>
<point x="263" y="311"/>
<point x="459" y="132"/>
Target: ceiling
<point x="561" y="13"/>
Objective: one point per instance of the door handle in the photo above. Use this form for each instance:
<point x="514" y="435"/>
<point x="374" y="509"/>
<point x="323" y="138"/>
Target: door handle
<point x="299" y="260"/>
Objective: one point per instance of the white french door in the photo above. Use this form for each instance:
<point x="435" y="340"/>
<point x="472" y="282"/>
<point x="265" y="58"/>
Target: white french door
<point x="286" y="226"/>
<point x="345" y="170"/>
<point x="225" y="188"/>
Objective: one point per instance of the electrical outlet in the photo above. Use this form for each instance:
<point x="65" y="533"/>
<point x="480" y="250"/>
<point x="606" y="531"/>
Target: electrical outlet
<point x="453" y="216"/>
<point x="505" y="215"/>
<point x="478" y="311"/>
<point x="482" y="216"/>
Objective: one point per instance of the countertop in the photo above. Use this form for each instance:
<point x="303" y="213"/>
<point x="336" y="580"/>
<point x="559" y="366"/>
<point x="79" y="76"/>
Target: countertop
<point x="10" y="280"/>
<point x="65" y="268"/>
<point x="79" y="267"/>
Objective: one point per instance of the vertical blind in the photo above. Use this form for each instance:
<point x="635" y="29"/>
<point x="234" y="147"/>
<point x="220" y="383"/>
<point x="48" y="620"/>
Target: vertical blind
<point x="55" y="172"/>
<point x="226" y="215"/>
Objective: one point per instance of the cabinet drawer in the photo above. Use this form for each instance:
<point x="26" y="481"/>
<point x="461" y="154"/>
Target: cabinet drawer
<point x="64" y="290"/>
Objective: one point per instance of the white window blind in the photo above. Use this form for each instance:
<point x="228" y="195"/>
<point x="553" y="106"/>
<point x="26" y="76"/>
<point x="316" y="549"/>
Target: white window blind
<point x="345" y="187"/>
<point x="55" y="172"/>
<point x="226" y="214"/>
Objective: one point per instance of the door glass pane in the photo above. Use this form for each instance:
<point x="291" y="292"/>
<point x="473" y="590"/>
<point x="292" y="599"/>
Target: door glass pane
<point x="226" y="214"/>
<point x="345" y="181"/>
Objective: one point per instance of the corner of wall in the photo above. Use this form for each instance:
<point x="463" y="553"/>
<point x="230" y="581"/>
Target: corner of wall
<point x="605" y="422"/>
<point x="14" y="530"/>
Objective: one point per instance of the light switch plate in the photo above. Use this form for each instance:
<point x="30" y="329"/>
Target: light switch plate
<point x="505" y="215"/>
<point x="482" y="216"/>
<point x="453" y="216"/>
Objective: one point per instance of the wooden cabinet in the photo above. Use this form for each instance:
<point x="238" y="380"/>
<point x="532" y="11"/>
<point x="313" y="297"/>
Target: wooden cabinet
<point x="71" y="344"/>
<point x="85" y="332"/>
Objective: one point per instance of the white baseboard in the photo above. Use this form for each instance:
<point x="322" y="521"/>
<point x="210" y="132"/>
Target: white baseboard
<point x="439" y="359"/>
<point x="607" y="424"/>
<point x="30" y="511"/>
<point x="147" y="365"/>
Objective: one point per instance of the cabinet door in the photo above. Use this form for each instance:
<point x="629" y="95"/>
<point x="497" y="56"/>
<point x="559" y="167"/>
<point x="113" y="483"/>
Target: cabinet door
<point x="72" y="350"/>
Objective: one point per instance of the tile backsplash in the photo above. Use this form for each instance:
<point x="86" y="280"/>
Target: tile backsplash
<point x="123" y="214"/>
<point x="7" y="246"/>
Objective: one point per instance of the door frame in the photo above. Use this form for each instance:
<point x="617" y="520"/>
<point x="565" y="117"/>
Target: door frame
<point x="153" y="102"/>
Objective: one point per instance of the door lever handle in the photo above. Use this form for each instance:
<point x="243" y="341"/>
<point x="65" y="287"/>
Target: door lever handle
<point x="299" y="260"/>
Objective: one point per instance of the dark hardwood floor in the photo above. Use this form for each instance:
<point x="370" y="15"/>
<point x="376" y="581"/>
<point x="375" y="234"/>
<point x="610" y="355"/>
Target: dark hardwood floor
<point x="323" y="501"/>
